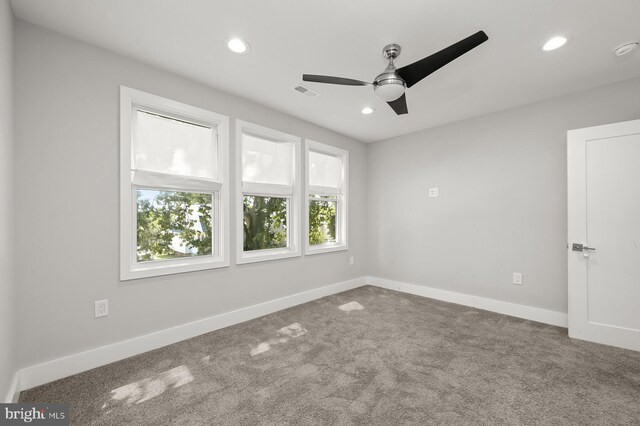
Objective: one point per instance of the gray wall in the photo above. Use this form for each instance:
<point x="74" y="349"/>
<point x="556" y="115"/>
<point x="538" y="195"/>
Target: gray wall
<point x="502" y="203"/>
<point x="67" y="96"/>
<point x="7" y="249"/>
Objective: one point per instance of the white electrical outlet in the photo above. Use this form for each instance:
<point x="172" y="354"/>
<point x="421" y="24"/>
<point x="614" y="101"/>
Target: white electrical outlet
<point x="517" y="278"/>
<point x="352" y="260"/>
<point x="101" y="308"/>
<point x="433" y="192"/>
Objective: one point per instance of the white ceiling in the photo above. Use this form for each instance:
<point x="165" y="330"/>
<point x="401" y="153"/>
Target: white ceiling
<point x="345" y="38"/>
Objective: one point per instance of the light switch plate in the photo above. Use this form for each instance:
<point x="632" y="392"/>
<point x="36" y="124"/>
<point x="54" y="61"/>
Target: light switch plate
<point x="433" y="192"/>
<point x="517" y="278"/>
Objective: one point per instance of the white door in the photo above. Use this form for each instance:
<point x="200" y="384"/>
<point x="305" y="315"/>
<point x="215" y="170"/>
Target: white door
<point x="604" y="217"/>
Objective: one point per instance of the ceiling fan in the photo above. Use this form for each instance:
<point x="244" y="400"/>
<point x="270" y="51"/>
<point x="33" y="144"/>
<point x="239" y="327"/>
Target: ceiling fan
<point x="390" y="85"/>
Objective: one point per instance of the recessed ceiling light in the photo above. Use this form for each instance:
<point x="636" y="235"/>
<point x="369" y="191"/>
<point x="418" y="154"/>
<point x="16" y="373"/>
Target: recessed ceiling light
<point x="367" y="110"/>
<point x="554" y="43"/>
<point x="238" y="45"/>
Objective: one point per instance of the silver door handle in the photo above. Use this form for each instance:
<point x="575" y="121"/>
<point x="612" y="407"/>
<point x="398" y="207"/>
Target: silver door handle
<point x="581" y="247"/>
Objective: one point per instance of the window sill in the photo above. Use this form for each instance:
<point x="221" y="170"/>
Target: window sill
<point x="265" y="255"/>
<point x="170" y="267"/>
<point x="324" y="248"/>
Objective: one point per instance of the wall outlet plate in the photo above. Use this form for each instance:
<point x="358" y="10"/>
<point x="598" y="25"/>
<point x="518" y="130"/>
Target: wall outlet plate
<point x="517" y="278"/>
<point x="352" y="260"/>
<point x="101" y="308"/>
<point x="433" y="192"/>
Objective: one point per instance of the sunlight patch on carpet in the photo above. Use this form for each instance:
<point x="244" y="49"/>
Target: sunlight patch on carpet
<point x="145" y="389"/>
<point x="351" y="306"/>
<point x="292" y="331"/>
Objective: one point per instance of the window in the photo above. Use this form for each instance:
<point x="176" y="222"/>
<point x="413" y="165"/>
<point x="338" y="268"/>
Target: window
<point x="268" y="205"/>
<point x="173" y="187"/>
<point x="326" y="195"/>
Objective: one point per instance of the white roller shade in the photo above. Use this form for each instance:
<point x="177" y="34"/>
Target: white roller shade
<point x="165" y="145"/>
<point x="266" y="162"/>
<point x="325" y="170"/>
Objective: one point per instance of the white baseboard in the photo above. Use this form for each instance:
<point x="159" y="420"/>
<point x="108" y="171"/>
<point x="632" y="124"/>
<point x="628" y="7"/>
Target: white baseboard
<point x="513" y="309"/>
<point x="14" y="389"/>
<point x="49" y="371"/>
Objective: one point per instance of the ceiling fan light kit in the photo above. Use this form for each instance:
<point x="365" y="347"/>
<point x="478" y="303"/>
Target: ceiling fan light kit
<point x="389" y="90"/>
<point x="390" y="85"/>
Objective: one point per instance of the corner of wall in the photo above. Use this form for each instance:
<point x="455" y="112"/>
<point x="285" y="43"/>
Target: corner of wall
<point x="8" y="334"/>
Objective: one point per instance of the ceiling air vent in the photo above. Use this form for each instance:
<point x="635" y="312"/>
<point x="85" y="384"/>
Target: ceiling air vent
<point x="306" y="91"/>
<point x="625" y="48"/>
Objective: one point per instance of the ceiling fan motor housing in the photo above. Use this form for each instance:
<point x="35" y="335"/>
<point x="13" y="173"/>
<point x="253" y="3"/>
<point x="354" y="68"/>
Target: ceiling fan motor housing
<point x="388" y="85"/>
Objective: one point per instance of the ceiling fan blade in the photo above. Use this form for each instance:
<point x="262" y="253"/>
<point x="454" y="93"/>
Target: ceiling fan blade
<point x="418" y="70"/>
<point x="399" y="105"/>
<point x="333" y="80"/>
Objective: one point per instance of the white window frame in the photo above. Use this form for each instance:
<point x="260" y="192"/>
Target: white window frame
<point x="342" y="220"/>
<point x="265" y="190"/>
<point x="131" y="179"/>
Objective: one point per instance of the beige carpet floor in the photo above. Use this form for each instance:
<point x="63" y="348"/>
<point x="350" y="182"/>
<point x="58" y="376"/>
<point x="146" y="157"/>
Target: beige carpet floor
<point x="366" y="356"/>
